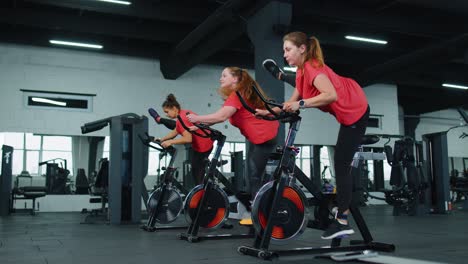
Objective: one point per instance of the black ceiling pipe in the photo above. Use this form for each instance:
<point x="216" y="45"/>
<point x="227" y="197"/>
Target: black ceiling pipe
<point x="435" y="54"/>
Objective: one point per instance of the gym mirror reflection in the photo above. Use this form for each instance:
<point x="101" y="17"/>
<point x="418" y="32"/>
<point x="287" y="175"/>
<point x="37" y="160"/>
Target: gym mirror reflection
<point x="63" y="164"/>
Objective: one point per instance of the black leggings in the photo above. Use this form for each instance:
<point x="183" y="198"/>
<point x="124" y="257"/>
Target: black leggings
<point x="258" y="156"/>
<point x="198" y="165"/>
<point x="349" y="139"/>
<point x="169" y="123"/>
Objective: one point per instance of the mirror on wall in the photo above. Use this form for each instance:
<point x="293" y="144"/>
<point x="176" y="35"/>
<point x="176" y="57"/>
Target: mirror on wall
<point x="53" y="160"/>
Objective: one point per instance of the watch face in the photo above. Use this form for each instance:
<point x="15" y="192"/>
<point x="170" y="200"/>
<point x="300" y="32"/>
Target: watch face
<point x="301" y="103"/>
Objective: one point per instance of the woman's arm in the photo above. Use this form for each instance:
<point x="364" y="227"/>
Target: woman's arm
<point x="294" y="97"/>
<point x="327" y="95"/>
<point x="169" y="136"/>
<point x="219" y="116"/>
<point x="185" y="138"/>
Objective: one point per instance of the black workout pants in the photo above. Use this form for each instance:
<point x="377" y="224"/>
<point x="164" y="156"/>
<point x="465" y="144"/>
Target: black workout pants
<point x="349" y="139"/>
<point x="199" y="165"/>
<point x="258" y="155"/>
<point x="169" y="123"/>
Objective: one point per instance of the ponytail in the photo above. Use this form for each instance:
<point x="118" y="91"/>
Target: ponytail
<point x="312" y="44"/>
<point x="314" y="52"/>
<point x="171" y="102"/>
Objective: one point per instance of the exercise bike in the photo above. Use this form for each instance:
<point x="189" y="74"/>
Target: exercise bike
<point x="164" y="203"/>
<point x="279" y="210"/>
<point x="207" y="205"/>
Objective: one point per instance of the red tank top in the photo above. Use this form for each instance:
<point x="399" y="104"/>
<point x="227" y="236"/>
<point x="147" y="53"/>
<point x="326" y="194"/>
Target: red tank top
<point x="199" y="144"/>
<point x="352" y="102"/>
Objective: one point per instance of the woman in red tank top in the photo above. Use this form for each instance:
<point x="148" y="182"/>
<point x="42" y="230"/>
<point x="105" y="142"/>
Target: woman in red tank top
<point x="201" y="146"/>
<point x="260" y="133"/>
<point x="318" y="86"/>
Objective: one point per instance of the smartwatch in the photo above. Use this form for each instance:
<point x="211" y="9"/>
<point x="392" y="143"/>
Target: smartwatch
<point x="301" y="104"/>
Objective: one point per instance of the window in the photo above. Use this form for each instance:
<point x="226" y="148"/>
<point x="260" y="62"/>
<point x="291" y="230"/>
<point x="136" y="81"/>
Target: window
<point x="58" y="100"/>
<point x="375" y="121"/>
<point x="303" y="159"/>
<point x="156" y="162"/>
<point x="228" y="148"/>
<point x="326" y="167"/>
<point x="15" y="140"/>
<point x="30" y="149"/>
<point x="33" y="148"/>
<point x="57" y="147"/>
<point x="106" y="148"/>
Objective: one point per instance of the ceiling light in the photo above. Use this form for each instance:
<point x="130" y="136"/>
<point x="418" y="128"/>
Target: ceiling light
<point x="290" y="69"/>
<point x="48" y="101"/>
<point x="75" y="44"/>
<point x="455" y="86"/>
<point x="116" y="2"/>
<point x="376" y="41"/>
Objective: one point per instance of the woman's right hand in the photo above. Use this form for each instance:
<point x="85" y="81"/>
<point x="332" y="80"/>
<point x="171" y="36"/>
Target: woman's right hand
<point x="261" y="112"/>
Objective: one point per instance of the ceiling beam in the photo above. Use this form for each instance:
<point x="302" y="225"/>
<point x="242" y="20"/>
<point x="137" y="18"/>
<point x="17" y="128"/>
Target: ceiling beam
<point x="160" y="32"/>
<point x="435" y="54"/>
<point x="139" y="9"/>
<point x="419" y="101"/>
<point x="350" y="14"/>
<point x="174" y="65"/>
<point x="216" y="32"/>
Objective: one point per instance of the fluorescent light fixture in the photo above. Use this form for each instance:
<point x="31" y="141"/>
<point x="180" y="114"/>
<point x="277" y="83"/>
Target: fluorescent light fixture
<point x="376" y="41"/>
<point x="116" y="2"/>
<point x="291" y="69"/>
<point x="455" y="86"/>
<point x="48" y="101"/>
<point x="75" y="44"/>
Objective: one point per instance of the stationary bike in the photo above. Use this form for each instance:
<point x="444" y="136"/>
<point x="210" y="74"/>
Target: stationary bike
<point x="279" y="210"/>
<point x="207" y="205"/>
<point x="165" y="202"/>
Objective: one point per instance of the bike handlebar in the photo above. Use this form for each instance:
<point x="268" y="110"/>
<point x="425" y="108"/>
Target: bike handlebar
<point x="268" y="105"/>
<point x="207" y="131"/>
<point x="149" y="139"/>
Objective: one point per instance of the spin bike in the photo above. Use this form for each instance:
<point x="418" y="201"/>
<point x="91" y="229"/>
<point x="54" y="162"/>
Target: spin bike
<point x="165" y="202"/>
<point x="207" y="205"/>
<point x="279" y="210"/>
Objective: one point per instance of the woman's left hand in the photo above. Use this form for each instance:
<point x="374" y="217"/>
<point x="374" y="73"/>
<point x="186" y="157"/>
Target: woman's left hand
<point x="261" y="112"/>
<point x="193" y="118"/>
<point x="192" y="128"/>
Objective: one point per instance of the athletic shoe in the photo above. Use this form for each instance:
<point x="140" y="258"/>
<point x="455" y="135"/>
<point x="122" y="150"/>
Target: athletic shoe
<point x="271" y="67"/>
<point x="154" y="114"/>
<point x="246" y="221"/>
<point x="336" y="229"/>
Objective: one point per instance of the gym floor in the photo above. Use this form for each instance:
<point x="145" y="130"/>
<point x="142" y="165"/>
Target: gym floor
<point x="49" y="238"/>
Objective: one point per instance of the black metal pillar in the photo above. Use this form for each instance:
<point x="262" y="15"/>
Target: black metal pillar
<point x="265" y="31"/>
<point x="410" y="124"/>
<point x="438" y="171"/>
<point x="6" y="180"/>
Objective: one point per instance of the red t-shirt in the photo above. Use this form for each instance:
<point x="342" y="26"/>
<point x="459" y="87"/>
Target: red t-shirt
<point x="199" y="144"/>
<point x="256" y="130"/>
<point x="352" y="102"/>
